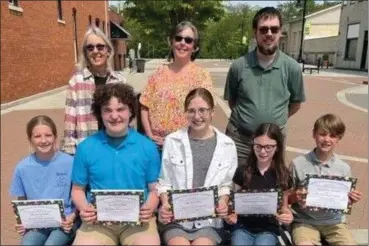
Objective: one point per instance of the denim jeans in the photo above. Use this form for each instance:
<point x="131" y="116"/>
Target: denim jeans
<point x="244" y="237"/>
<point x="47" y="237"/>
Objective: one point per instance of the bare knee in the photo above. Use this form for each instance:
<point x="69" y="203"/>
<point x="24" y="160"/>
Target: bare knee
<point x="202" y="241"/>
<point x="178" y="241"/>
<point x="86" y="241"/>
<point x="147" y="240"/>
<point x="305" y="243"/>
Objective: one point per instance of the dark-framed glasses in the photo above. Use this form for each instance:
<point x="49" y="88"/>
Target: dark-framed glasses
<point x="200" y="111"/>
<point x="273" y="29"/>
<point x="91" y="47"/>
<point x="188" y="40"/>
<point x="268" y="147"/>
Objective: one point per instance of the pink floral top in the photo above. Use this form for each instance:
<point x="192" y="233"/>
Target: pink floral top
<point x="165" y="94"/>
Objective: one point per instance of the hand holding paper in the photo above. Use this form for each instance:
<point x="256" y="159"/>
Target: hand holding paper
<point x="355" y="196"/>
<point x="231" y="219"/>
<point x="285" y="217"/>
<point x="20" y="229"/>
<point x="222" y="208"/>
<point x="165" y="214"/>
<point x="88" y="214"/>
<point x="146" y="213"/>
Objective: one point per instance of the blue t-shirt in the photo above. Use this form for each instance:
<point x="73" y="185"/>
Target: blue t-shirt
<point x="132" y="165"/>
<point x="36" y="179"/>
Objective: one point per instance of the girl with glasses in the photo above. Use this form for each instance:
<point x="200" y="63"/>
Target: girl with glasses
<point x="162" y="99"/>
<point x="195" y="156"/>
<point x="265" y="169"/>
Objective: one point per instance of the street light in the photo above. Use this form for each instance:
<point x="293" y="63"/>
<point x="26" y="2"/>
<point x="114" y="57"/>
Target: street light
<point x="303" y="27"/>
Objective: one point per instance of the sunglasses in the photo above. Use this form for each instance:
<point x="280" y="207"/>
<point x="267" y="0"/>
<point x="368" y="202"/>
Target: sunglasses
<point x="99" y="47"/>
<point x="265" y="29"/>
<point x="188" y="40"/>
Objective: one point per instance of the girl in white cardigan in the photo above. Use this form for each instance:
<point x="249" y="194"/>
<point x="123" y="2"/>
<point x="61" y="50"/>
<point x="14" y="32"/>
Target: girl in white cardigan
<point x="196" y="156"/>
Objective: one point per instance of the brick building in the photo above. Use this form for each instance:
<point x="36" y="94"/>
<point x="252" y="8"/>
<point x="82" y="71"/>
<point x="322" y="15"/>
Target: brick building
<point x="118" y="37"/>
<point x="40" y="43"/>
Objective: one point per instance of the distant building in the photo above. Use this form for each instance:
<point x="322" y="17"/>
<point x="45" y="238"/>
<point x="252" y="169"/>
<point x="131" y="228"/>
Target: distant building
<point x="320" y="35"/>
<point x="40" y="43"/>
<point x="352" y="49"/>
<point x="118" y="36"/>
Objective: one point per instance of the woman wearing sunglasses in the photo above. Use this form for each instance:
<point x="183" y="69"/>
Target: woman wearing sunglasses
<point x="94" y="69"/>
<point x="196" y="156"/>
<point x="162" y="99"/>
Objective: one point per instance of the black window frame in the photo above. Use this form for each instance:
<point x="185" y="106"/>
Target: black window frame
<point x="60" y="9"/>
<point x="14" y="2"/>
<point x="350" y="56"/>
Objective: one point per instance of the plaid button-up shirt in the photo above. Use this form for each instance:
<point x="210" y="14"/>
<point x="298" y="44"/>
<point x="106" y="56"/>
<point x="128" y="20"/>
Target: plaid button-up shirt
<point x="79" y="121"/>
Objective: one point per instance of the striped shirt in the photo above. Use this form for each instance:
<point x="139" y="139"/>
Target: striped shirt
<point x="79" y="121"/>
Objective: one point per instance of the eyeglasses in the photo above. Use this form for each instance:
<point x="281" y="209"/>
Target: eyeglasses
<point x="188" y="40"/>
<point x="200" y="111"/>
<point x="99" y="47"/>
<point x="268" y="147"/>
<point x="265" y="29"/>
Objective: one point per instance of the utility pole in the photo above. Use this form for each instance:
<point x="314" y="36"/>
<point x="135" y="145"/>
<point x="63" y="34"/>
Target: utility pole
<point x="303" y="28"/>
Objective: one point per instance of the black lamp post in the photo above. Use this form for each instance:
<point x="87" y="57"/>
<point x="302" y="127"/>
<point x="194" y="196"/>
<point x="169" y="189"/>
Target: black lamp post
<point x="303" y="27"/>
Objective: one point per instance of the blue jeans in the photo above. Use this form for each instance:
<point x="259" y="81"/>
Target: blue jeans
<point x="47" y="237"/>
<point x="244" y="237"/>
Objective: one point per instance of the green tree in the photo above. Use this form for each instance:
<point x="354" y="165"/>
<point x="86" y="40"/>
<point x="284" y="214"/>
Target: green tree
<point x="223" y="39"/>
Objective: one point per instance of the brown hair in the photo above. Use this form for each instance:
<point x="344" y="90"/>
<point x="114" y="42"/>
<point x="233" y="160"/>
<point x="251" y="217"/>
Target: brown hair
<point x="278" y="163"/>
<point x="202" y="93"/>
<point x="179" y="28"/>
<point x="330" y="123"/>
<point x="123" y="92"/>
<point x="266" y="13"/>
<point x="40" y="120"/>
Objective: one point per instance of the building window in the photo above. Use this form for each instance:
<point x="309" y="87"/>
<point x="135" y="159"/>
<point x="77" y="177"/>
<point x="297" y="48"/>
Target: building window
<point x="103" y="26"/>
<point x="97" y="22"/>
<point x="14" y="2"/>
<point x="90" y="20"/>
<point x="60" y="11"/>
<point x="294" y="38"/>
<point x="351" y="41"/>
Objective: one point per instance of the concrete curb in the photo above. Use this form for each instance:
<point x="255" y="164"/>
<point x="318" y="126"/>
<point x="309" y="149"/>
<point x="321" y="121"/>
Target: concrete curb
<point x="31" y="98"/>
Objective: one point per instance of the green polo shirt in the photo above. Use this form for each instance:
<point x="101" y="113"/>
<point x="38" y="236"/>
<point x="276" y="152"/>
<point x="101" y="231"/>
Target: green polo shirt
<point x="263" y="95"/>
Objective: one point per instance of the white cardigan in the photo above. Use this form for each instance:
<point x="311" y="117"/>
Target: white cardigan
<point x="177" y="168"/>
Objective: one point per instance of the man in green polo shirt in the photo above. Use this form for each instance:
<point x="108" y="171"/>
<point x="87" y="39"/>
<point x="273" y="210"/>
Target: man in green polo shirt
<point x="264" y="86"/>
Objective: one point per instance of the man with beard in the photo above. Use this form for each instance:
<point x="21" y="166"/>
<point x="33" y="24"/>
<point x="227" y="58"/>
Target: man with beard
<point x="265" y="85"/>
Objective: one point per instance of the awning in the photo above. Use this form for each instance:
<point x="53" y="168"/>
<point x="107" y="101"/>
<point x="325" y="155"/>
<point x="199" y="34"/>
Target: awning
<point x="118" y="32"/>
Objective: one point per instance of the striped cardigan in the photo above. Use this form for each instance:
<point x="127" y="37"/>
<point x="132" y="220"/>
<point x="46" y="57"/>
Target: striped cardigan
<point x="79" y="121"/>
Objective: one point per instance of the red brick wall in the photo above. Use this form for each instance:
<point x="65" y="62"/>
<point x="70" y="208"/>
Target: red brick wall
<point x="37" y="52"/>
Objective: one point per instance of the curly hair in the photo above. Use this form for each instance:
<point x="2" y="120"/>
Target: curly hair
<point x="123" y="92"/>
<point x="278" y="163"/>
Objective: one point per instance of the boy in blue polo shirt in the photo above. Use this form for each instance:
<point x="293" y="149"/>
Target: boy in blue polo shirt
<point x="116" y="157"/>
<point x="309" y="226"/>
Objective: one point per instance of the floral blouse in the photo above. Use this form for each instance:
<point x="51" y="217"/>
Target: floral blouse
<point x="165" y="94"/>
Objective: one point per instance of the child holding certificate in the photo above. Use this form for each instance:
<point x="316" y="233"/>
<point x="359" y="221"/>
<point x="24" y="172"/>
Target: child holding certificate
<point x="265" y="170"/>
<point x="196" y="156"/>
<point x="309" y="226"/>
<point x="45" y="174"/>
